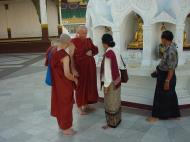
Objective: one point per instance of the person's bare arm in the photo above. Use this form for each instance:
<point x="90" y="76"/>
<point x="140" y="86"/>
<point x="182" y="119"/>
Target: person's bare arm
<point x="66" y="67"/>
<point x="170" y="75"/>
<point x="168" y="79"/>
<point x="71" y="53"/>
<point x="172" y="59"/>
<point x="94" y="48"/>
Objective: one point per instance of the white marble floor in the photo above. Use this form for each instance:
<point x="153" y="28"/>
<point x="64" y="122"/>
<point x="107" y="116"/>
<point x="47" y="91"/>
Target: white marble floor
<point x="25" y="117"/>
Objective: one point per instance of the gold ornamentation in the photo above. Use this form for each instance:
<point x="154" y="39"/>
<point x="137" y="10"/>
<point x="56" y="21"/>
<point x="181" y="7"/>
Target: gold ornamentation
<point x="163" y="27"/>
<point x="138" y="39"/>
<point x="44" y="26"/>
<point x="185" y="43"/>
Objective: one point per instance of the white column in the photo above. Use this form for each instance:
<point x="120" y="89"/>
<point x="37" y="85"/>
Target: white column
<point x="179" y="42"/>
<point x="147" y="45"/>
<point x="96" y="36"/>
<point x="43" y="12"/>
<point x="60" y="22"/>
<point x="117" y="38"/>
<point x="43" y="16"/>
<point x="60" y="14"/>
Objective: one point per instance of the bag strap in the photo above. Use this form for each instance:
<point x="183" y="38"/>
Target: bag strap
<point x="123" y="61"/>
<point x="50" y="53"/>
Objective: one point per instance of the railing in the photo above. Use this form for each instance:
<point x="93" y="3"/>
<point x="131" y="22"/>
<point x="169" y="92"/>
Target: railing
<point x="72" y="27"/>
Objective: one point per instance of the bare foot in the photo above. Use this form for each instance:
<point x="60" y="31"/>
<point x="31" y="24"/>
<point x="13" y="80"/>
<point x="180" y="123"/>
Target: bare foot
<point x="152" y="119"/>
<point x="105" y="127"/>
<point x="89" y="109"/>
<point x="69" y="132"/>
<point x="82" y="112"/>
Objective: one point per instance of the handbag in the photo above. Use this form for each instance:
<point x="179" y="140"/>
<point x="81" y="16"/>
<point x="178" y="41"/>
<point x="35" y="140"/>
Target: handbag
<point x="124" y="72"/>
<point x="48" y="79"/>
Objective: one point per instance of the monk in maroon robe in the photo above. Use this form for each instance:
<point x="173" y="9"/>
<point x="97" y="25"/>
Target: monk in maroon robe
<point x="62" y="85"/>
<point x="85" y="66"/>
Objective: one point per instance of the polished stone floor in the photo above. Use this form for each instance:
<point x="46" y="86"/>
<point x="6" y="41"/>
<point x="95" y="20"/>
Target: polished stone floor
<point x="25" y="104"/>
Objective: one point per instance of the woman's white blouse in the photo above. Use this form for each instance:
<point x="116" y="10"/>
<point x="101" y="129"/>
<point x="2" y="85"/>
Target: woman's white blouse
<point x="107" y="68"/>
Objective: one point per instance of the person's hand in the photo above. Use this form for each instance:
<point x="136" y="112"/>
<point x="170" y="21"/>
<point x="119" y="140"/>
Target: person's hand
<point x="76" y="81"/>
<point x="154" y="74"/>
<point x="167" y="86"/>
<point x="75" y="73"/>
<point x="89" y="53"/>
<point x="106" y="91"/>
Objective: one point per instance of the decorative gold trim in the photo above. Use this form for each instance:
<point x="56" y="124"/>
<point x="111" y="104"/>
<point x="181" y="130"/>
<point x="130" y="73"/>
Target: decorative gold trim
<point x="44" y="26"/>
<point x="60" y="26"/>
<point x="9" y="29"/>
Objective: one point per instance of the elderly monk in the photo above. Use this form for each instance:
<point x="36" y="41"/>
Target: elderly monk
<point x="84" y="67"/>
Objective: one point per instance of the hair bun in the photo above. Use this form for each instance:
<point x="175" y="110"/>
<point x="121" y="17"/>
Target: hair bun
<point x="108" y="39"/>
<point x="112" y="44"/>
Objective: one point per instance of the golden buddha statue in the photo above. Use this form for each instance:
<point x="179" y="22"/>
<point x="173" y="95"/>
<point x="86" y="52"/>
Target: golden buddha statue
<point x="185" y="44"/>
<point x="138" y="39"/>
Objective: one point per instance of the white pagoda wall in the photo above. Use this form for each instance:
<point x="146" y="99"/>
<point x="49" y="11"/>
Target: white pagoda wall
<point x="140" y="88"/>
<point x="98" y="32"/>
<point x="24" y="21"/>
<point x="3" y="22"/>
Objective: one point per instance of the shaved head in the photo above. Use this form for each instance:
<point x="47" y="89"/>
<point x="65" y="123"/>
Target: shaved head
<point x="82" y="27"/>
<point x="82" y="32"/>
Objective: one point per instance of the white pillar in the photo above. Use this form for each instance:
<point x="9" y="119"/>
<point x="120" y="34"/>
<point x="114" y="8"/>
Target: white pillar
<point x="60" y="14"/>
<point x="43" y="16"/>
<point x="96" y="36"/>
<point x="147" y="45"/>
<point x="179" y="42"/>
<point x="60" y="21"/>
<point x="43" y="12"/>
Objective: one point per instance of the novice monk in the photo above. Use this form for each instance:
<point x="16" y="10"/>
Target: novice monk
<point x="63" y="85"/>
<point x="84" y="62"/>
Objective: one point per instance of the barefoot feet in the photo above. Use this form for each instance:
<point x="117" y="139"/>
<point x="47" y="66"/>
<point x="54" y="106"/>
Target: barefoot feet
<point x="69" y="132"/>
<point x="152" y="119"/>
<point x="81" y="111"/>
<point x="105" y="127"/>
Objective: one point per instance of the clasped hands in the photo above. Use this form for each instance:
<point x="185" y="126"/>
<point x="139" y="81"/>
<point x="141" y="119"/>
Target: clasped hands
<point x="89" y="53"/>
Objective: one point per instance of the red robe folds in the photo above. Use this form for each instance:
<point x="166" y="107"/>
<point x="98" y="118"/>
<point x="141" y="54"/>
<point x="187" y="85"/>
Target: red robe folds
<point x="86" y="92"/>
<point x="62" y="91"/>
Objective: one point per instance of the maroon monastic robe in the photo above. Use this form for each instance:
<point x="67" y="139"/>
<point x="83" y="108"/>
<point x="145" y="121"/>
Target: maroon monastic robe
<point x="62" y="90"/>
<point x="86" y="92"/>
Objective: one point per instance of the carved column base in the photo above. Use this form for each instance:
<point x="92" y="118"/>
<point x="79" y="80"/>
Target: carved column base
<point x="9" y="33"/>
<point x="60" y="29"/>
<point x="45" y="34"/>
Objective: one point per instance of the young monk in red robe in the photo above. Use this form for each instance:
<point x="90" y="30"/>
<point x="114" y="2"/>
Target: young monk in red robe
<point x="62" y="85"/>
<point x="85" y="65"/>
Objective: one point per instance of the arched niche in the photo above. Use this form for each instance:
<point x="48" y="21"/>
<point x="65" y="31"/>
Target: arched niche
<point x="129" y="31"/>
<point x="157" y="30"/>
<point x="98" y="32"/>
<point x="186" y="38"/>
<point x="132" y="23"/>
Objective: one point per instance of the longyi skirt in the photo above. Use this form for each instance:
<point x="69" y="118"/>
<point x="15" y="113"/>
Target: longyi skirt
<point x="112" y="103"/>
<point x="165" y="102"/>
